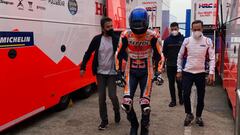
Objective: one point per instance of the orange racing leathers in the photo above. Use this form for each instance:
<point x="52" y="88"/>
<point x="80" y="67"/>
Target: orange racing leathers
<point x="142" y="53"/>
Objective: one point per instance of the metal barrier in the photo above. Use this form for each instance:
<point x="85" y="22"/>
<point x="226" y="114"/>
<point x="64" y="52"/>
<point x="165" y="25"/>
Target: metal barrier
<point x="237" y="122"/>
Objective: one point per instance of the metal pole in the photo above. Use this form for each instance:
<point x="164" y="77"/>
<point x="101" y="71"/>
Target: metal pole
<point x="237" y="122"/>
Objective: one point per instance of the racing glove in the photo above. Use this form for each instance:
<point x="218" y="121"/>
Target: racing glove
<point x="158" y="79"/>
<point x="120" y="79"/>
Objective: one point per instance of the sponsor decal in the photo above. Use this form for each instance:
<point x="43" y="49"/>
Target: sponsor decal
<point x="207" y="5"/>
<point x="100" y="8"/>
<point x="139" y="43"/>
<point x="203" y="45"/>
<point x="16" y="39"/>
<point x="20" y="5"/>
<point x="72" y="6"/>
<point x="154" y="2"/>
<point x="151" y="8"/>
<point x="41" y="7"/>
<point x="57" y="2"/>
<point x="30" y="3"/>
<point x="6" y="2"/>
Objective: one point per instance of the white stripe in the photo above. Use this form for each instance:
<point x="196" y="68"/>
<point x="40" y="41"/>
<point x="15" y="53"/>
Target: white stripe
<point x="188" y="129"/>
<point x="11" y="123"/>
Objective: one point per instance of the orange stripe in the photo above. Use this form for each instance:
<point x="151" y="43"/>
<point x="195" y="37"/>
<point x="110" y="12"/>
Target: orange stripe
<point x="149" y="80"/>
<point x="161" y="62"/>
<point x="127" y="86"/>
<point x="117" y="52"/>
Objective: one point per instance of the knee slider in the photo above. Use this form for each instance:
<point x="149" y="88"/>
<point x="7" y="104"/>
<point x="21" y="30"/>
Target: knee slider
<point x="127" y="104"/>
<point x="145" y="105"/>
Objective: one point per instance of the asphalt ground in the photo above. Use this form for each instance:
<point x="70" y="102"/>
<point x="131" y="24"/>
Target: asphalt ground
<point x="82" y="117"/>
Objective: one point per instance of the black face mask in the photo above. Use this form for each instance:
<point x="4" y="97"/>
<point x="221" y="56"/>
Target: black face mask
<point x="139" y="31"/>
<point x="110" y="32"/>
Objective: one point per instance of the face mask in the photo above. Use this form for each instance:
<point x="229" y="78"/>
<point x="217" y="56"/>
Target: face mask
<point x="110" y="32"/>
<point x="139" y="31"/>
<point x="174" y="33"/>
<point x="197" y="34"/>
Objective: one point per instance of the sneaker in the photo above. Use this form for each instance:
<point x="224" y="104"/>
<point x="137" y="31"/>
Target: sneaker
<point x="103" y="125"/>
<point x="189" y="118"/>
<point x="199" y="121"/>
<point x="117" y="117"/>
<point x="172" y="104"/>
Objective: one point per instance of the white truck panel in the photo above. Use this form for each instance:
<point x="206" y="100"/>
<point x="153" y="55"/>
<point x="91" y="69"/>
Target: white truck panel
<point x="54" y="25"/>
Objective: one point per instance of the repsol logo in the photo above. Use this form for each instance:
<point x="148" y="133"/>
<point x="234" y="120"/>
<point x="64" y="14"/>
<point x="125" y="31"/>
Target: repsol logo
<point x="57" y="2"/>
<point x="139" y="43"/>
<point x="207" y="5"/>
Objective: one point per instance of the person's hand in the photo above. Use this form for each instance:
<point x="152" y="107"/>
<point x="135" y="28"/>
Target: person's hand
<point x="179" y="76"/>
<point x="162" y="70"/>
<point x="120" y="79"/>
<point x="210" y="79"/>
<point x="82" y="72"/>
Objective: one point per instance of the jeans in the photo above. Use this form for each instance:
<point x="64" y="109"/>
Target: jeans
<point x="103" y="82"/>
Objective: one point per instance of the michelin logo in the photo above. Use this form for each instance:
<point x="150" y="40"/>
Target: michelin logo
<point x="15" y="39"/>
<point x="7" y="40"/>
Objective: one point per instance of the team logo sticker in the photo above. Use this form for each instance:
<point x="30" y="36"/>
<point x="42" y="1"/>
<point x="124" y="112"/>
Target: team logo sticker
<point x="16" y="39"/>
<point x="72" y="6"/>
<point x="20" y="5"/>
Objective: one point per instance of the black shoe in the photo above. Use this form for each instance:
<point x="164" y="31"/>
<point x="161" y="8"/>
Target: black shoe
<point x="199" y="121"/>
<point x="103" y="125"/>
<point x="180" y="101"/>
<point x="117" y="117"/>
<point x="144" y="130"/>
<point x="172" y="104"/>
<point x="134" y="130"/>
<point x="189" y="118"/>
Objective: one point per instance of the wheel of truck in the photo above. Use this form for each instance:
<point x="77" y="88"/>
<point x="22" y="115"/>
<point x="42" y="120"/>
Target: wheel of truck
<point x="63" y="103"/>
<point x="87" y="91"/>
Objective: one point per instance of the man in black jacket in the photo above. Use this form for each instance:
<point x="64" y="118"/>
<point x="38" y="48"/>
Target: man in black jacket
<point x="171" y="48"/>
<point x="104" y="47"/>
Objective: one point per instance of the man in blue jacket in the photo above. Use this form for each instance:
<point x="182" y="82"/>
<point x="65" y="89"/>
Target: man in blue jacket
<point x="171" y="48"/>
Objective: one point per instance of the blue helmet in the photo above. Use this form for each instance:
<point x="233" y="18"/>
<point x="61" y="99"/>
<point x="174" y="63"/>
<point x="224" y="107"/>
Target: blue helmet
<point x="139" y="20"/>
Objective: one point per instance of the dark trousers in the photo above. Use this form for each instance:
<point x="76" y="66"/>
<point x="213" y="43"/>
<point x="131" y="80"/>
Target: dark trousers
<point x="140" y="77"/>
<point x="187" y="81"/>
<point x="103" y="82"/>
<point x="171" y="74"/>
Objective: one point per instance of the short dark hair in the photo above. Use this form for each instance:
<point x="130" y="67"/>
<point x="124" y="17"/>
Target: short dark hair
<point x="197" y="21"/>
<point x="104" y="20"/>
<point x="174" y="24"/>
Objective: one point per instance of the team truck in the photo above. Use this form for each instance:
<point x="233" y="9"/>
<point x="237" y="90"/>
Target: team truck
<point x="42" y="43"/>
<point x="228" y="42"/>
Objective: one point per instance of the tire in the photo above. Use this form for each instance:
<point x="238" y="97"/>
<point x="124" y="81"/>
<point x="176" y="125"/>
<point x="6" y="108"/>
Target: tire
<point x="63" y="103"/>
<point x="87" y="91"/>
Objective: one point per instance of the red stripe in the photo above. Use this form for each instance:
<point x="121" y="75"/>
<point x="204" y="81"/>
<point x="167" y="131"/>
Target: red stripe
<point x="139" y="48"/>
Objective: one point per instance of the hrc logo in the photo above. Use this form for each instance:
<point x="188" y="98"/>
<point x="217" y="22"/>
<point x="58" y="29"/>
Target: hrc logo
<point x="207" y="5"/>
